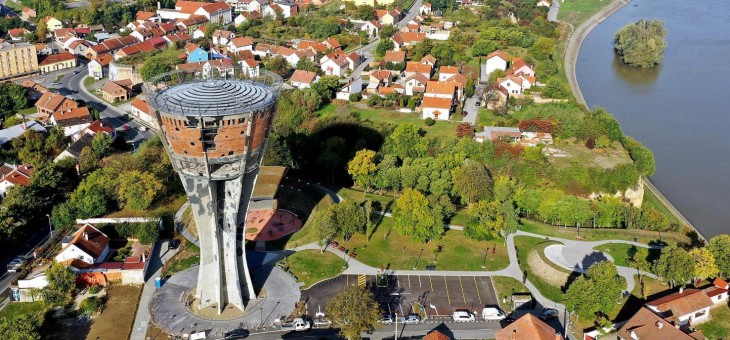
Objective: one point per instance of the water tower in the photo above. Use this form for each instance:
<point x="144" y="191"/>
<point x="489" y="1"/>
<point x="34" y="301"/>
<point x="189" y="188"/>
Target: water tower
<point x="215" y="125"/>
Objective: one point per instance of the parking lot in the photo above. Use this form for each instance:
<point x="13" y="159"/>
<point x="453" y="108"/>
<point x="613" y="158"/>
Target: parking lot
<point x="445" y="293"/>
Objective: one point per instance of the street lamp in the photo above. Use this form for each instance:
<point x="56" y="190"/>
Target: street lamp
<point x="50" y="226"/>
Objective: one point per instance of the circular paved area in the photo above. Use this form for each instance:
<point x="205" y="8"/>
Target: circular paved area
<point x="573" y="258"/>
<point x="170" y="314"/>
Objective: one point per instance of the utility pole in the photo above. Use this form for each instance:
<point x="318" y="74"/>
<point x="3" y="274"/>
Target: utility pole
<point x="396" y="326"/>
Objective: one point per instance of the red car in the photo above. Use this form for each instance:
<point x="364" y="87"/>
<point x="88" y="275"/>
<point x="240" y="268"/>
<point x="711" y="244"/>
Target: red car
<point x="125" y="127"/>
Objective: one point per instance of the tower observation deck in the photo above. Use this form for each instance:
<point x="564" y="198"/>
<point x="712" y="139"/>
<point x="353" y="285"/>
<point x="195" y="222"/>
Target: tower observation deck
<point x="215" y="127"/>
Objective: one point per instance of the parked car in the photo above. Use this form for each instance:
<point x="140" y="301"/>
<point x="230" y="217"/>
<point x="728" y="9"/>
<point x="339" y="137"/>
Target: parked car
<point x="173" y="244"/>
<point x="463" y="316"/>
<point x="298" y="325"/>
<point x="493" y="313"/>
<point x="478" y="104"/>
<point x="125" y="127"/>
<point x="142" y="128"/>
<point x="56" y="83"/>
<point x="322" y="323"/>
<point x="464" y="113"/>
<point x="387" y="319"/>
<point x="411" y="319"/>
<point x="236" y="334"/>
<point x="549" y="313"/>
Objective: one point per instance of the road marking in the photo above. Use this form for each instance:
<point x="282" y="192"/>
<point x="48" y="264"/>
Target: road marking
<point x="409" y="281"/>
<point x="347" y="284"/>
<point x="361" y="279"/>
<point x="462" y="290"/>
<point x="447" y="292"/>
<point x="420" y="285"/>
<point x="478" y="295"/>
<point x="397" y="281"/>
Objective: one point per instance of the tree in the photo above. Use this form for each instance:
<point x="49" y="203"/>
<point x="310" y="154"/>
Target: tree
<point x="414" y="217"/>
<point x="704" y="263"/>
<point x="638" y="258"/>
<point x="349" y="218"/>
<point x="720" y="249"/>
<point x="327" y="87"/>
<point x="386" y="32"/>
<point x="355" y="311"/>
<point x="137" y="190"/>
<point x="157" y="65"/>
<point x="675" y="265"/>
<point x="307" y="101"/>
<point x="556" y="88"/>
<point x="20" y="326"/>
<point x="64" y="215"/>
<point x="61" y="283"/>
<point x="101" y="145"/>
<point x="87" y="160"/>
<point x="472" y="182"/>
<point x="325" y="226"/>
<point x="365" y="12"/>
<point x="278" y="65"/>
<point x="91" y="197"/>
<point x="642" y="156"/>
<point x="384" y="45"/>
<point x="41" y="30"/>
<point x="486" y="222"/>
<point x="641" y="43"/>
<point x="307" y="65"/>
<point x="610" y="211"/>
<point x="483" y="47"/>
<point x="544" y="48"/>
<point x="464" y="130"/>
<point x="595" y="292"/>
<point x="406" y="142"/>
<point x="362" y="168"/>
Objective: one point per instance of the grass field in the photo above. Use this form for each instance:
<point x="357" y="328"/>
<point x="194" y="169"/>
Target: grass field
<point x="576" y="12"/>
<point x="311" y="266"/>
<point x="488" y="118"/>
<point x="388" y="249"/>
<point x="118" y="315"/>
<point x="505" y="287"/>
<point x="652" y="201"/>
<point x="590" y="234"/>
<point x="620" y="253"/>
<point x="188" y="256"/>
<point x="525" y="245"/>
<point x="307" y="233"/>
<point x="14" y="309"/>
<point x="360" y="197"/>
<point x="719" y="326"/>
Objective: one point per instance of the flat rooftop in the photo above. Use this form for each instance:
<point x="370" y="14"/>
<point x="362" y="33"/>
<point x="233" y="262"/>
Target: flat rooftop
<point x="267" y="182"/>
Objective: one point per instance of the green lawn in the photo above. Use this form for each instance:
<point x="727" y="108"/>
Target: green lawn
<point x="577" y="11"/>
<point x="525" y="245"/>
<point x="29" y="110"/>
<point x="88" y="81"/>
<point x="488" y="118"/>
<point x="505" y="287"/>
<point x="590" y="234"/>
<point x="442" y="129"/>
<point x="719" y="326"/>
<point x="187" y="257"/>
<point x="652" y="201"/>
<point x="311" y="266"/>
<point x="387" y="248"/>
<point x="620" y="253"/>
<point x="360" y="197"/>
<point x="36" y="309"/>
<point x="460" y="218"/>
<point x="307" y="233"/>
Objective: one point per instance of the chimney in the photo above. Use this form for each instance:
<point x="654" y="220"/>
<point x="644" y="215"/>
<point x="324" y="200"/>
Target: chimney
<point x="558" y="336"/>
<point x="514" y="334"/>
<point x="659" y="324"/>
<point x="143" y="258"/>
<point x="86" y="236"/>
<point x="158" y="5"/>
<point x="681" y="290"/>
<point x="634" y="335"/>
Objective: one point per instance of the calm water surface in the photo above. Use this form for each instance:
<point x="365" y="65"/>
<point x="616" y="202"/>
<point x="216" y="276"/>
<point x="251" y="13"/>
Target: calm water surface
<point x="681" y="109"/>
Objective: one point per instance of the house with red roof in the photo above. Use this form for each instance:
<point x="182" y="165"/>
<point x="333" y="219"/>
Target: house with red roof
<point x="528" y="327"/>
<point x="436" y="108"/>
<point x="406" y="39"/>
<point x="414" y="67"/>
<point x="335" y="64"/>
<point x="142" y="110"/>
<point x="496" y="60"/>
<point x="446" y="72"/>
<point x="372" y="28"/>
<point x="303" y="79"/>
<point x="28" y="13"/>
<point x="14" y="175"/>
<point x="97" y="127"/>
<point x="17" y="34"/>
<point x="88" y="245"/>
<point x="425" y="8"/>
<point x="58" y="61"/>
<point x="51" y="102"/>
<point x="332" y="43"/>
<point x="684" y="308"/>
<point x="73" y="120"/>
<point x="240" y="44"/>
<point x="216" y="12"/>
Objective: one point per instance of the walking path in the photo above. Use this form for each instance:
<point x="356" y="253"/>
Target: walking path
<point x="181" y="226"/>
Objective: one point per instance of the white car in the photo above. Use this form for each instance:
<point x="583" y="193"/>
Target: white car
<point x="493" y="313"/>
<point x="462" y="316"/>
<point x="410" y="319"/>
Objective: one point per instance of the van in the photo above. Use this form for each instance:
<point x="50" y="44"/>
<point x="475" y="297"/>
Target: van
<point x="493" y="313"/>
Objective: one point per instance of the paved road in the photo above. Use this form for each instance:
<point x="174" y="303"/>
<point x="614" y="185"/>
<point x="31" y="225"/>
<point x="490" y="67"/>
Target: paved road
<point x="159" y="256"/>
<point x="553" y="12"/>
<point x="470" y="106"/>
<point x="410" y="14"/>
<point x="7" y="278"/>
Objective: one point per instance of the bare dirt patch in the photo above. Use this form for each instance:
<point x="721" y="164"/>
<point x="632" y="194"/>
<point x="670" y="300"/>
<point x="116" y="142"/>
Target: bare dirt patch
<point x="117" y="319"/>
<point x="545" y="271"/>
<point x="607" y="158"/>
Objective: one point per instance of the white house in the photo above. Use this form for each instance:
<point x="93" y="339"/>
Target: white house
<point x="141" y="110"/>
<point x="372" y="28"/>
<point x="544" y="3"/>
<point x="416" y="84"/>
<point x="436" y="108"/>
<point x="425" y="9"/>
<point x="303" y="79"/>
<point x="87" y="244"/>
<point x="222" y="37"/>
<point x="439" y="89"/>
<point x="250" y="67"/>
<point x="14" y="175"/>
<point x="496" y="60"/>
<point x="240" y="44"/>
<point x="335" y="64"/>
<point x="199" y="33"/>
<point x="688" y="306"/>
<point x="72" y="120"/>
<point x="514" y="84"/>
<point x="352" y="87"/>
<point x="26" y="288"/>
<point x="446" y="72"/>
<point x="520" y="67"/>
<point x="406" y="39"/>
<point x="718" y="293"/>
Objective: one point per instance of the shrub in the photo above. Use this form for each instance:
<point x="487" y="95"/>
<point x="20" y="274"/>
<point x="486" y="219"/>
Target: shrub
<point x="92" y="305"/>
<point x="94" y="289"/>
<point x="355" y="97"/>
<point x="429" y="121"/>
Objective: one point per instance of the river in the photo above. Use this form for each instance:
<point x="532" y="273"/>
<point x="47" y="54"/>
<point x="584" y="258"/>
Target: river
<point x="679" y="109"/>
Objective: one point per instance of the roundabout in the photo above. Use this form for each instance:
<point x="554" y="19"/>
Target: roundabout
<point x="174" y="309"/>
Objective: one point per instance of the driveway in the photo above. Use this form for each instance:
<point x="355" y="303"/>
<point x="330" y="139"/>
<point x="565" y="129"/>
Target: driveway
<point x="471" y="106"/>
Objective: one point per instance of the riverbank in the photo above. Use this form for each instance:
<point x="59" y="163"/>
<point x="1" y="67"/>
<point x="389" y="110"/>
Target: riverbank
<point x="576" y="39"/>
<point x="572" y="50"/>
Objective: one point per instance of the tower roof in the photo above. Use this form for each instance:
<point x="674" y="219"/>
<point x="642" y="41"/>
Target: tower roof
<point x="213" y="98"/>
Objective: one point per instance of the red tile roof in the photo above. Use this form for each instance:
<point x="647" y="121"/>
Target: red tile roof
<point x="649" y="326"/>
<point x="686" y="302"/>
<point x="395" y="56"/>
<point x="304" y="77"/>
<point x="498" y="54"/>
<point x="57" y="58"/>
<point x="528" y="327"/>
<point x="90" y="240"/>
<point x="99" y="127"/>
<point x="436" y="103"/>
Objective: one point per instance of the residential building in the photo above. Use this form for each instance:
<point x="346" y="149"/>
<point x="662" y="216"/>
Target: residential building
<point x="17" y="34"/>
<point x="110" y="46"/>
<point x="395" y="57"/>
<point x="354" y="86"/>
<point x="425" y="9"/>
<point x="495" y="133"/>
<point x="17" y="60"/>
<point x="28" y="13"/>
<point x="51" y="102"/>
<point x="250" y="67"/>
<point x="14" y="176"/>
<point x="413" y="67"/>
<point x="222" y="37"/>
<point x="73" y="151"/>
<point x="528" y="327"/>
<point x="196" y="53"/>
<point x="58" y="61"/>
<point x="97" y="127"/>
<point x="646" y="325"/>
<point x="406" y="39"/>
<point x="73" y="120"/>
<point x="387" y="17"/>
<point x="141" y="110"/>
<point x="439" y="89"/>
<point x="116" y="91"/>
<point x="520" y="67"/>
<point x="544" y="3"/>
<point x="52" y="23"/>
<point x="687" y="307"/>
<point x="416" y="84"/>
<point x="240" y="44"/>
<point x="33" y="89"/>
<point x="436" y="108"/>
<point x="78" y="47"/>
<point x="332" y="43"/>
<point x="718" y="292"/>
<point x="381" y="77"/>
<point x="496" y="60"/>
<point x="44" y="49"/>
<point x="372" y="28"/>
<point x="8" y="134"/>
<point x="99" y="67"/>
<point x="446" y="72"/>
<point x="303" y="79"/>
<point x="143" y="16"/>
<point x="118" y="71"/>
<point x="429" y="59"/>
<point x="514" y="84"/>
<point x="87" y="244"/>
<point x="216" y="12"/>
<point x="335" y="64"/>
<point x="205" y="68"/>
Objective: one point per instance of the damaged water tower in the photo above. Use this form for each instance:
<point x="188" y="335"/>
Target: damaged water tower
<point x="215" y="126"/>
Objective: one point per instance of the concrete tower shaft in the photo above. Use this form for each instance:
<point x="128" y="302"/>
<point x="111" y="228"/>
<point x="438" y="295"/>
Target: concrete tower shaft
<point x="215" y="129"/>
